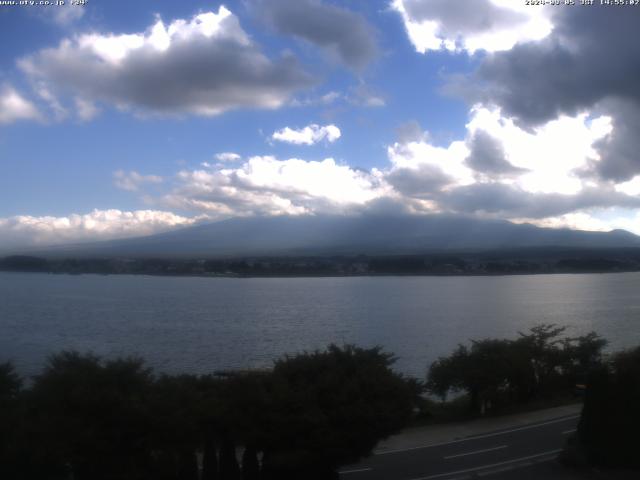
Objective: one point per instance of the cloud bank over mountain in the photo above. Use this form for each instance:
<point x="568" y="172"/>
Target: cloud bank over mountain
<point x="26" y="230"/>
<point x="550" y="134"/>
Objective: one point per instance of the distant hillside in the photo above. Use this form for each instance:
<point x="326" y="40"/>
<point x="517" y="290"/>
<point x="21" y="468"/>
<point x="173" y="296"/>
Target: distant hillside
<point x="337" y="235"/>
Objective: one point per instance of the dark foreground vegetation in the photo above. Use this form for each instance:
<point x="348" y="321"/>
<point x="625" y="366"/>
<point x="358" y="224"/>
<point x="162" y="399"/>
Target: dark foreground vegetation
<point x="504" y="262"/>
<point x="88" y="418"/>
<point x="543" y="364"/>
<point x="609" y="428"/>
<point x="84" y="418"/>
<point x="497" y="373"/>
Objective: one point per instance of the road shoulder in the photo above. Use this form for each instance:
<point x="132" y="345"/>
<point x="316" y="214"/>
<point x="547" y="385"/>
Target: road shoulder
<point x="419" y="437"/>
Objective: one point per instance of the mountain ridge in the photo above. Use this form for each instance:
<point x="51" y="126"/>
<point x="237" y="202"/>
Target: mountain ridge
<point x="342" y="235"/>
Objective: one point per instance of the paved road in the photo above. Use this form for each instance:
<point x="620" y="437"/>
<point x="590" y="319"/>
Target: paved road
<point x="492" y="452"/>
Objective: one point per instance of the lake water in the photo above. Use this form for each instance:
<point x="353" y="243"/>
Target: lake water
<point x="198" y="325"/>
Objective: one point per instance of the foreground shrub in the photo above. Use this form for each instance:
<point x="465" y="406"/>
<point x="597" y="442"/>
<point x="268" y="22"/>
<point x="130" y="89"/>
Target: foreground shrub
<point x="541" y="362"/>
<point x="331" y="408"/>
<point x="610" y="421"/>
<point x="90" y="419"/>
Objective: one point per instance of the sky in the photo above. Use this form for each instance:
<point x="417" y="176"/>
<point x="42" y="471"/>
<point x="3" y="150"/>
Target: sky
<point x="122" y="118"/>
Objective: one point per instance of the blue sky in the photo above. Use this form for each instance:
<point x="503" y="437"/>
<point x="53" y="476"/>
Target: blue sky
<point x="127" y="118"/>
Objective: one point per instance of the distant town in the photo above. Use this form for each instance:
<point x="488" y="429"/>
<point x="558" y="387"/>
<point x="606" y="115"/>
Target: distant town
<point x="521" y="261"/>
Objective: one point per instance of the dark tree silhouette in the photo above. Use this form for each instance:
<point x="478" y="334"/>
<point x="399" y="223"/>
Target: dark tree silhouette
<point x="483" y="371"/>
<point x="10" y="382"/>
<point x="91" y="417"/>
<point x="229" y="467"/>
<point x="174" y="403"/>
<point x="250" y="465"/>
<point x="610" y="421"/>
<point x="542" y="346"/>
<point x="329" y="408"/>
<point x="209" y="459"/>
<point x="582" y="355"/>
<point x="10" y="423"/>
<point x="539" y="362"/>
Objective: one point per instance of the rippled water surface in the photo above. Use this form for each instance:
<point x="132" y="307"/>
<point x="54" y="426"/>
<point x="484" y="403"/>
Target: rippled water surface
<point x="202" y="324"/>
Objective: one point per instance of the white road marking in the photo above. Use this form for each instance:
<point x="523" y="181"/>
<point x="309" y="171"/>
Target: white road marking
<point x="345" y="472"/>
<point x="567" y="432"/>
<point x="492" y="465"/>
<point x="467" y="439"/>
<point x="477" y="451"/>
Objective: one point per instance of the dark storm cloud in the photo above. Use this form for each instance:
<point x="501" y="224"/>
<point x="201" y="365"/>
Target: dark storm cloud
<point x="620" y="151"/>
<point x="342" y="32"/>
<point x="476" y="16"/>
<point x="511" y="202"/>
<point x="587" y="57"/>
<point x="488" y="157"/>
<point x="195" y="73"/>
<point x="421" y="182"/>
<point x="590" y="62"/>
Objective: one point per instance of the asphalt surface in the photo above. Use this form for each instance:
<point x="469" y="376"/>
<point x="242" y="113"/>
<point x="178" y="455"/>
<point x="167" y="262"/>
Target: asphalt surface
<point x="492" y="453"/>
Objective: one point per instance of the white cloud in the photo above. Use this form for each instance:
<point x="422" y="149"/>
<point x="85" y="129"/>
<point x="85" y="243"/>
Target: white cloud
<point x="308" y="135"/>
<point x="577" y="221"/>
<point x="374" y="102"/>
<point x="227" y="156"/>
<point x="629" y="221"/>
<point x="25" y="230"/>
<point x="526" y="175"/>
<point x="553" y="154"/>
<point x="330" y="97"/>
<point x="85" y="109"/>
<point x="59" y="112"/>
<point x="209" y="65"/>
<point x="503" y="171"/>
<point x="542" y="188"/>
<point x="68" y="13"/>
<point x="313" y="100"/>
<point x="417" y="155"/>
<point x="596" y="221"/>
<point x="61" y="15"/>
<point x="325" y="179"/>
<point x="536" y="82"/>
<point x="265" y="185"/>
<point x="14" y="107"/>
<point x="365" y="96"/>
<point x="490" y="25"/>
<point x="631" y="187"/>
<point x="132" y="180"/>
